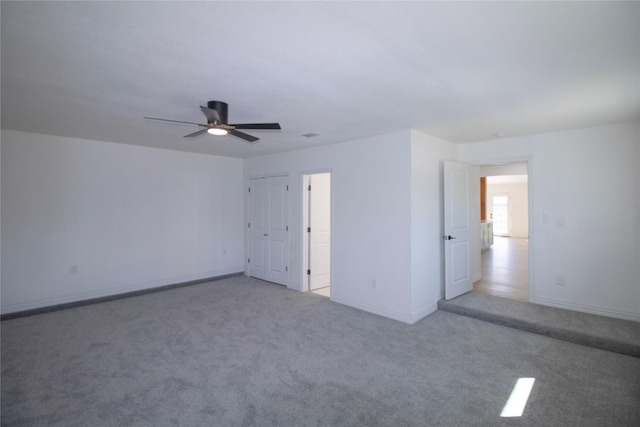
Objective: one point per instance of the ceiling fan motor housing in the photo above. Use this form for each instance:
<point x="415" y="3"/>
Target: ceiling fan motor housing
<point x="222" y="108"/>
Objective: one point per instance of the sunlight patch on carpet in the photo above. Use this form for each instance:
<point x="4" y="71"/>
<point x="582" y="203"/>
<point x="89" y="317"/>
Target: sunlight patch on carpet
<point x="518" y="399"/>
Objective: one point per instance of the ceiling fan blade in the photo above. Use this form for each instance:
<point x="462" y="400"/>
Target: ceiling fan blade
<point x="257" y="126"/>
<point x="198" y="133"/>
<point x="175" y="121"/>
<point x="212" y="115"/>
<point x="250" y="139"/>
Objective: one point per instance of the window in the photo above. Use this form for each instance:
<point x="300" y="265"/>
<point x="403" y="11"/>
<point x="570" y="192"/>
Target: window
<point x="501" y="215"/>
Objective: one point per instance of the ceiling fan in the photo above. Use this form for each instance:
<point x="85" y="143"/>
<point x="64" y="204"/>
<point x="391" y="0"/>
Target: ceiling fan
<point x="217" y="113"/>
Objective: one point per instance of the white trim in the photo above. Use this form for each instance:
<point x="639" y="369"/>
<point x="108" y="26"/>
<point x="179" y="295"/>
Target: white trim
<point x="401" y="317"/>
<point x="591" y="309"/>
<point x="296" y="286"/>
<point x="118" y="290"/>
<point x="267" y="175"/>
<point x="424" y="312"/>
<point x="305" y="236"/>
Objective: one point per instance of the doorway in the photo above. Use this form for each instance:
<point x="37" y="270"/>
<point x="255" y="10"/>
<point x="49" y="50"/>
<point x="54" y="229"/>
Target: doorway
<point x="505" y="262"/>
<point x="317" y="232"/>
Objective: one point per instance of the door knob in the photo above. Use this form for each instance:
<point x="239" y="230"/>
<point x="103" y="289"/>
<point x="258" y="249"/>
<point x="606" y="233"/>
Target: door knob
<point x="448" y="237"/>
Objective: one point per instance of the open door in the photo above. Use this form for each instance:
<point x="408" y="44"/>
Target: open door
<point x="319" y="230"/>
<point x="457" y="229"/>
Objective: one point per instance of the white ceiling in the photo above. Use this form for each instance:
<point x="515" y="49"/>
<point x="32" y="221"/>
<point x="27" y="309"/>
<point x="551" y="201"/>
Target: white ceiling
<point x="461" y="71"/>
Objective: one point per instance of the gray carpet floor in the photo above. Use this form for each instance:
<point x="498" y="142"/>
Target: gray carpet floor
<point x="241" y="352"/>
<point x="621" y="336"/>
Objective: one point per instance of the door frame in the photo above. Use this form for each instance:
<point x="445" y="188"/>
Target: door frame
<point x="530" y="191"/>
<point x="304" y="221"/>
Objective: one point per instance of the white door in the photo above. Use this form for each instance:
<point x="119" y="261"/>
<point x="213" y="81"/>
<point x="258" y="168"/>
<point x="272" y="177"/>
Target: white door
<point x="457" y="229"/>
<point x="258" y="229"/>
<point x="277" y="234"/>
<point x="268" y="225"/>
<point x="319" y="231"/>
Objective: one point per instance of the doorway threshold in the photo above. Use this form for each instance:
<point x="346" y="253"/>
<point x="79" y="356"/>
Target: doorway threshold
<point x="325" y="292"/>
<point x="605" y="333"/>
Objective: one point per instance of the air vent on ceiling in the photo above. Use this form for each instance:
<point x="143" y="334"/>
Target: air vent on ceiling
<point x="310" y="135"/>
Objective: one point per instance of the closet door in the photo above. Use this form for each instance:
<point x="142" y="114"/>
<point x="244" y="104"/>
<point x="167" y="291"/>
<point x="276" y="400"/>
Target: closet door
<point x="258" y="232"/>
<point x="269" y="229"/>
<point x="278" y="233"/>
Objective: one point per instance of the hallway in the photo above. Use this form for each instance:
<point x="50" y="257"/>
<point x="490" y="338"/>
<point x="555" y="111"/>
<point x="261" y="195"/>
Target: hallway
<point x="505" y="271"/>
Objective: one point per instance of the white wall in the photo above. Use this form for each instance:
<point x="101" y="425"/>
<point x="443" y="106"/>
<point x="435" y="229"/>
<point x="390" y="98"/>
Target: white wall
<point x="517" y="168"/>
<point x="370" y="210"/>
<point x="125" y="217"/>
<point x="427" y="221"/>
<point x="386" y="193"/>
<point x="588" y="180"/>
<point x="518" y="194"/>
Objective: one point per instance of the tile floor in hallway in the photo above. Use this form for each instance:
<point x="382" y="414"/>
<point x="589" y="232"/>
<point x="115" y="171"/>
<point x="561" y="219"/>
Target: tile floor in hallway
<point x="505" y="269"/>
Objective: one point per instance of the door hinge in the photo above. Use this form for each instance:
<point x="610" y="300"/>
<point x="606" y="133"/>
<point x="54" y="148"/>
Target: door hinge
<point x="248" y="260"/>
<point x="248" y="225"/>
<point x="308" y="272"/>
<point x="309" y="187"/>
<point x="287" y="188"/>
<point x="287" y="228"/>
<point x="286" y="268"/>
<point x="249" y="189"/>
<point x="308" y="229"/>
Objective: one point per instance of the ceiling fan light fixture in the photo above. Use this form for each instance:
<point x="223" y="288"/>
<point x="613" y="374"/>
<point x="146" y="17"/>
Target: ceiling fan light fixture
<point x="217" y="131"/>
<point x="216" y="114"/>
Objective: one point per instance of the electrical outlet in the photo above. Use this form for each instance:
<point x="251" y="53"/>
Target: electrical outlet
<point x="560" y="280"/>
<point x="73" y="269"/>
<point x="373" y="283"/>
<point x="560" y="221"/>
<point x="224" y="252"/>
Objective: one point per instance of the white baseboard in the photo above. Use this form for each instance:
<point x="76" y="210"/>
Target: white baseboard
<point x="401" y="317"/>
<point x="424" y="312"/>
<point x="47" y="302"/>
<point x="600" y="311"/>
<point x="296" y="286"/>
